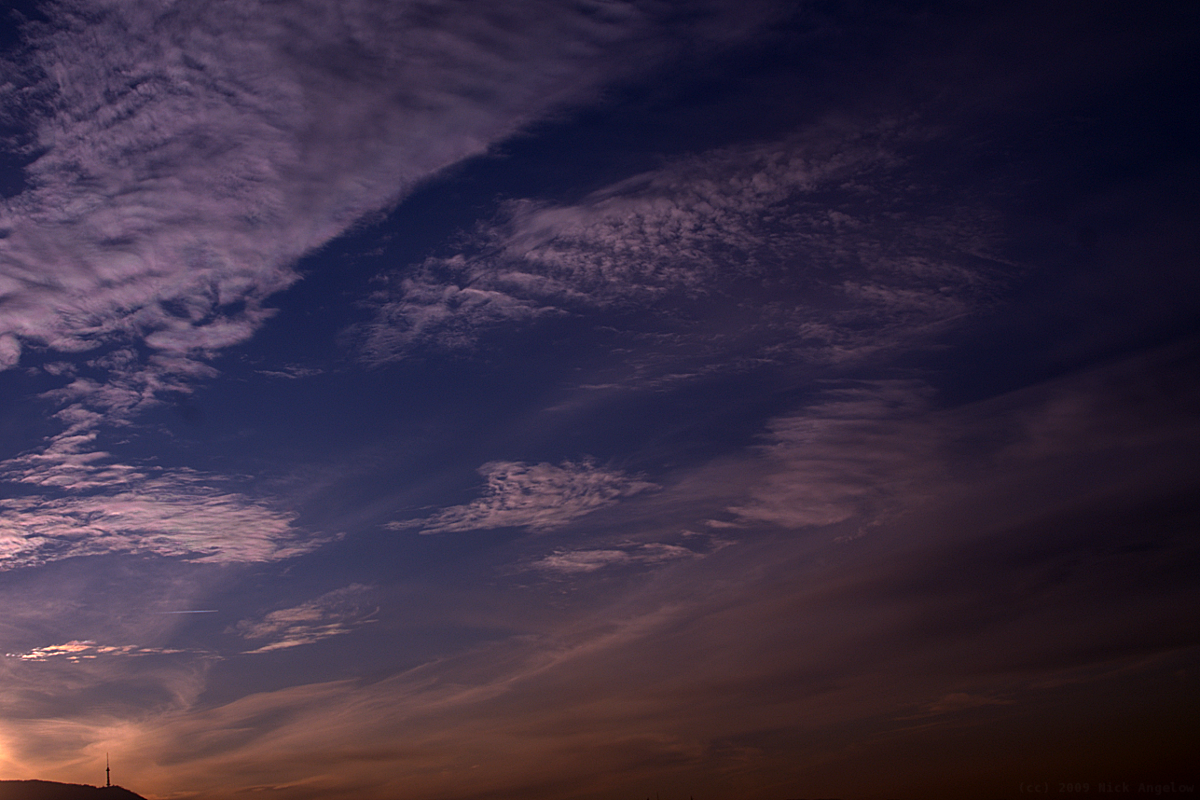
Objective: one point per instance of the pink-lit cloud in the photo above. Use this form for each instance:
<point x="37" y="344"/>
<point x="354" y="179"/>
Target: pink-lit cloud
<point x="332" y="614"/>
<point x="571" y="562"/>
<point x="867" y="450"/>
<point x="90" y="505"/>
<point x="187" y="155"/>
<point x="862" y="273"/>
<point x="539" y="497"/>
<point x="76" y="651"/>
<point x="184" y="157"/>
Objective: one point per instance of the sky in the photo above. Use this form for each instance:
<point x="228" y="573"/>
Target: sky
<point x="600" y="399"/>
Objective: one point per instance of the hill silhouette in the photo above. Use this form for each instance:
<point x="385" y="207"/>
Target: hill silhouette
<point x="50" y="790"/>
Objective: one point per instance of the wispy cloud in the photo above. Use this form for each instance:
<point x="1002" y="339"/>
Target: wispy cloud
<point x="76" y="651"/>
<point x="865" y="449"/>
<point x="291" y="372"/>
<point x="185" y="156"/>
<point x="539" y="497"/>
<point x="957" y="702"/>
<point x="332" y="614"/>
<point x="112" y="389"/>
<point x="72" y="497"/>
<point x="572" y="562"/>
<point x="802" y="217"/>
<point x="87" y="504"/>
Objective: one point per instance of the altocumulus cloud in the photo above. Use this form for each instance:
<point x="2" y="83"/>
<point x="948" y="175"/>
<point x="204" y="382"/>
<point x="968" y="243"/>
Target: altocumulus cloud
<point x="86" y="506"/>
<point x="801" y="216"/>
<point x="539" y="497"/>
<point x="855" y="455"/>
<point x="332" y="614"/>
<point x="187" y="154"/>
<point x="80" y="650"/>
<point x="183" y="157"/>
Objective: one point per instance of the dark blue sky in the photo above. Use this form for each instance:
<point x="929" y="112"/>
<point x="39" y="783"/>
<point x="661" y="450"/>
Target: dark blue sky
<point x="598" y="399"/>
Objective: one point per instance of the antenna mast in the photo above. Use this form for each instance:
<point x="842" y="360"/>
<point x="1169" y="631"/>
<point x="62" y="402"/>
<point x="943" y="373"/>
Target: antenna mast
<point x="107" y="773"/>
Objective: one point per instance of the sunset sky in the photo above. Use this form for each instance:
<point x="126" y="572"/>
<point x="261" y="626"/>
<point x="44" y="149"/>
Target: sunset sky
<point x="600" y="399"/>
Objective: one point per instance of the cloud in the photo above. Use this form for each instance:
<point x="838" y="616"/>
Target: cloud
<point x="112" y="389"/>
<point x="688" y="676"/>
<point x="868" y="447"/>
<point x="956" y="702"/>
<point x="89" y="505"/>
<point x="291" y="372"/>
<point x="332" y="614"/>
<point x="184" y="156"/>
<point x="834" y="220"/>
<point x="1048" y="559"/>
<point x="540" y="497"/>
<point x="10" y="351"/>
<point x="430" y="309"/>
<point x="571" y="562"/>
<point x="76" y="651"/>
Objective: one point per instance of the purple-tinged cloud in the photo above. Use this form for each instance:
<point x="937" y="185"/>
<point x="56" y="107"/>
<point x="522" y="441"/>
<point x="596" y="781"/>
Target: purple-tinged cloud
<point x="186" y="155"/>
<point x="539" y="497"/>
<point x="81" y="650"/>
<point x="10" y="351"/>
<point x="859" y="454"/>
<point x="90" y="506"/>
<point x="332" y="614"/>
<point x="572" y="562"/>
<point x="802" y="216"/>
<point x="183" y="157"/>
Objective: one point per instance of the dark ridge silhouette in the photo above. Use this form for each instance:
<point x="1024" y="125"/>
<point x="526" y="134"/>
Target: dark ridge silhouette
<point x="50" y="790"/>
